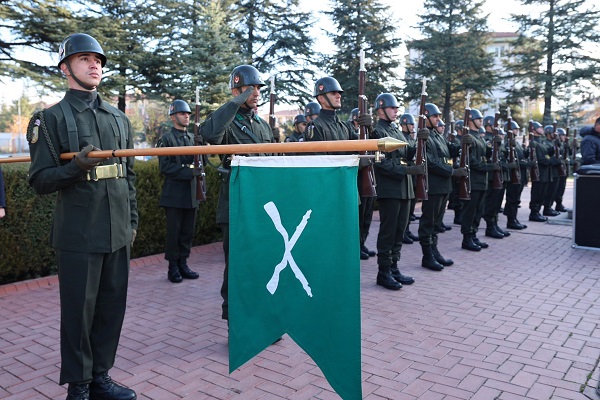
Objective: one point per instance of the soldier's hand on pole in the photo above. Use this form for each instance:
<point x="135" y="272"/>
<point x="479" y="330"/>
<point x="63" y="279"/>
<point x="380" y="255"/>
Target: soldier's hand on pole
<point x="497" y="139"/>
<point x="423" y="134"/>
<point x="198" y="171"/>
<point x="84" y="162"/>
<point x="365" y="120"/>
<point x="467" y="139"/>
<point x="416" y="169"/>
<point x="460" y="172"/>
<point x="241" y="98"/>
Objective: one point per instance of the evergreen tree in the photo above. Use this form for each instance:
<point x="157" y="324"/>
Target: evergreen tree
<point x="363" y="24"/>
<point x="452" y="54"/>
<point x="549" y="54"/>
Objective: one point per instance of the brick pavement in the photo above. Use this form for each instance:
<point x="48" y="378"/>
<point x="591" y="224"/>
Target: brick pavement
<point x="515" y="321"/>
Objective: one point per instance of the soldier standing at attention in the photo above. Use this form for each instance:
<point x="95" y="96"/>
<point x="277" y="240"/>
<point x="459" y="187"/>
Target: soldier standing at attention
<point x="299" y="127"/>
<point x="311" y="111"/>
<point x="514" y="190"/>
<point x="95" y="218"/>
<point x="235" y="122"/>
<point x="538" y="188"/>
<point x="179" y="194"/>
<point x="555" y="162"/>
<point x="407" y="125"/>
<point x="394" y="194"/>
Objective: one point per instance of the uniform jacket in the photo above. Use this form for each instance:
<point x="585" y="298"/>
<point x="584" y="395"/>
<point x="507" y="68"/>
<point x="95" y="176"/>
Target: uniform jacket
<point x="542" y="151"/>
<point x="90" y="216"/>
<point x="439" y="163"/>
<point x="327" y="126"/>
<point x="390" y="174"/>
<point x="479" y="154"/>
<point x="230" y="124"/>
<point x="295" y="137"/>
<point x="590" y="147"/>
<point x="179" y="189"/>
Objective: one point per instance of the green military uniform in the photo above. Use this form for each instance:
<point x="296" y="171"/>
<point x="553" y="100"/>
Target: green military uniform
<point x="232" y="124"/>
<point x="92" y="229"/>
<point x="327" y="126"/>
<point x="539" y="188"/>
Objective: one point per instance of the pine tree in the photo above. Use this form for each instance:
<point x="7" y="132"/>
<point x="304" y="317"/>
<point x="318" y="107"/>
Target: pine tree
<point x="363" y="24"/>
<point x="453" y="55"/>
<point x="550" y="53"/>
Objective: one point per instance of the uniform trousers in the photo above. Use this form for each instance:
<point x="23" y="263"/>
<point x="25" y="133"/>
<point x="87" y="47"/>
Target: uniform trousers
<point x="491" y="203"/>
<point x="472" y="211"/>
<point x="538" y="190"/>
<point x="513" y="199"/>
<point x="393" y="216"/>
<point x="181" y="224"/>
<point x="432" y="214"/>
<point x="93" y="296"/>
<point x="365" y="217"/>
<point x="560" y="190"/>
<point x="550" y="193"/>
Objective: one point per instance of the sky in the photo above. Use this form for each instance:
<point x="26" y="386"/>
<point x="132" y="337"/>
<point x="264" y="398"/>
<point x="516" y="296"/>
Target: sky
<point x="406" y="11"/>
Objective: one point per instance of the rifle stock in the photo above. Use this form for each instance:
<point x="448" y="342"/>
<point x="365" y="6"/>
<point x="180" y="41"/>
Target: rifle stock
<point x="497" y="181"/>
<point x="366" y="175"/>
<point x="421" y="154"/>
<point x="199" y="159"/>
<point x="534" y="169"/>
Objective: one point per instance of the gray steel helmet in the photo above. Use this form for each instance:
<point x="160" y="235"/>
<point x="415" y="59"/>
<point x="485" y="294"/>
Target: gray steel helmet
<point x="179" y="106"/>
<point x="326" y="85"/>
<point x="548" y="129"/>
<point x="407" y="119"/>
<point x="481" y="130"/>
<point x="513" y="125"/>
<point x="312" y="108"/>
<point x="475" y="114"/>
<point x="298" y="119"/>
<point x="488" y="121"/>
<point x="431" y="109"/>
<point x="460" y="124"/>
<point x="244" y="75"/>
<point x="561" y="131"/>
<point x="536" y="125"/>
<point x="385" y="100"/>
<point x="441" y="123"/>
<point x="353" y="115"/>
<point x="79" y="43"/>
<point x="501" y="131"/>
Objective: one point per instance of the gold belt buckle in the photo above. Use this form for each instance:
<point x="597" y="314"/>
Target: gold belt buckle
<point x="103" y="172"/>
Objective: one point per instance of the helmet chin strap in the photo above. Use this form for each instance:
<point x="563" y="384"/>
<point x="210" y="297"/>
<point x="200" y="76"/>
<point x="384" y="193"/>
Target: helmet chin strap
<point x="76" y="79"/>
<point x="329" y="101"/>
<point x="387" y="116"/>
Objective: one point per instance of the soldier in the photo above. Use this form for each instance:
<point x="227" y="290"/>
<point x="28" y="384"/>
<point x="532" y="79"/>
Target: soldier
<point x="352" y="119"/>
<point x="394" y="194"/>
<point x="235" y="122"/>
<point x="95" y="219"/>
<point x="538" y="189"/>
<point x="555" y="162"/>
<point x="311" y="111"/>
<point x="441" y="228"/>
<point x="407" y="125"/>
<point x="178" y="196"/>
<point x="562" y="180"/>
<point x="514" y="190"/>
<point x="479" y="154"/>
<point x="440" y="172"/>
<point x="454" y="202"/>
<point x="299" y="127"/>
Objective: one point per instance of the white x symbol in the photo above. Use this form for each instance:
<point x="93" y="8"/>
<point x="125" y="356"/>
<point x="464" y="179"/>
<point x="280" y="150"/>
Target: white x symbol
<point x="273" y="212"/>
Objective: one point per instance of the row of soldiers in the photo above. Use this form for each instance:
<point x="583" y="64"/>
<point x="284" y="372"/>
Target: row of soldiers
<point x="396" y="183"/>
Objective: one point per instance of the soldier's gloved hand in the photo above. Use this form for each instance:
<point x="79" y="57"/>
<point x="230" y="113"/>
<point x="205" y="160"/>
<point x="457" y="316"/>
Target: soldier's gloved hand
<point x="84" y="162"/>
<point x="467" y="139"/>
<point x="496" y="167"/>
<point x="133" y="235"/>
<point x="423" y="134"/>
<point x="242" y="97"/>
<point x="198" y="172"/>
<point x="497" y="139"/>
<point x="513" y="165"/>
<point x="364" y="162"/>
<point x="557" y="142"/>
<point x="459" y="172"/>
<point x="513" y="142"/>
<point x="365" y="120"/>
<point x="416" y="169"/>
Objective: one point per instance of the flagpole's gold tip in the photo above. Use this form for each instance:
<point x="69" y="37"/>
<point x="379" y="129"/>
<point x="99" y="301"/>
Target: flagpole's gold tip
<point x="389" y="144"/>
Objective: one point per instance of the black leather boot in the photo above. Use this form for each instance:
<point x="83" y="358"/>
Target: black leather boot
<point x="406" y="239"/>
<point x="560" y="207"/>
<point x="78" y="391"/>
<point x="397" y="275"/>
<point x="409" y="234"/>
<point x="174" y="275"/>
<point x="457" y="216"/>
<point x="519" y="222"/>
<point x="103" y="387"/>
<point x="468" y="243"/>
<point x="491" y="231"/>
<point x="501" y="231"/>
<point x="479" y="243"/>
<point x="185" y="271"/>
<point x="429" y="260"/>
<point x="536" y="217"/>
<point x="385" y="279"/>
<point x="365" y="249"/>
<point x="512" y="223"/>
<point x="446" y="262"/>
<point x="549" y="212"/>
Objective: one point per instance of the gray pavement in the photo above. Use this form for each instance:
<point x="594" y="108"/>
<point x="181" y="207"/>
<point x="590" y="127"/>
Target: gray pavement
<point x="516" y="321"/>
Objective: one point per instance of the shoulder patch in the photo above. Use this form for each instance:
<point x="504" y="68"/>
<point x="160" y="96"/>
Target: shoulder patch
<point x="33" y="128"/>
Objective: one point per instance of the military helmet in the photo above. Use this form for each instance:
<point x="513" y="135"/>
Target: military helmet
<point x="548" y="129"/>
<point x="79" y="43"/>
<point x="312" y="108"/>
<point x="501" y="131"/>
<point x="536" y="125"/>
<point x="513" y="126"/>
<point x="353" y="115"/>
<point x="298" y="119"/>
<point x="441" y="123"/>
<point x="475" y="114"/>
<point x="385" y="100"/>
<point x="488" y="121"/>
<point x="178" y="106"/>
<point x="460" y="124"/>
<point x="244" y="75"/>
<point x="481" y="130"/>
<point x="407" y="119"/>
<point x="561" y="131"/>
<point x="326" y="85"/>
<point x="431" y="109"/>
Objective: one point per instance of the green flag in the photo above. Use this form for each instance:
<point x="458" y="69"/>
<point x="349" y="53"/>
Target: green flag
<point x="294" y="262"/>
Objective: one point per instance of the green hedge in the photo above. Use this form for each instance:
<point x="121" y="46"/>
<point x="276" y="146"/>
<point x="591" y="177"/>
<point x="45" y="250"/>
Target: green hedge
<point x="25" y="251"/>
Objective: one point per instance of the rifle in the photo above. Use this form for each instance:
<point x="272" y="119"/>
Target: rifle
<point x="566" y="150"/>
<point x="515" y="173"/>
<point x="198" y="162"/>
<point x="497" y="174"/>
<point x="452" y="134"/>
<point x="421" y="156"/>
<point x="561" y="167"/>
<point x="464" y="184"/>
<point x="272" y="98"/>
<point x="366" y="175"/>
<point x="534" y="170"/>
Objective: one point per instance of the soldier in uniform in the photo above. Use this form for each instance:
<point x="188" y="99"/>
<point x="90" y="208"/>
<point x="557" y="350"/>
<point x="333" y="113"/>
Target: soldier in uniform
<point x="95" y="218"/>
<point x="514" y="190"/>
<point x="441" y="228"/>
<point x="394" y="194"/>
<point x="555" y="162"/>
<point x="311" y="111"/>
<point x="235" y="122"/>
<point x="440" y="172"/>
<point x="179" y="194"/>
<point x="299" y="127"/>
<point x="562" y="180"/>
<point x="407" y="125"/>
<point x="454" y="202"/>
<point x="479" y="155"/>
<point x="538" y="188"/>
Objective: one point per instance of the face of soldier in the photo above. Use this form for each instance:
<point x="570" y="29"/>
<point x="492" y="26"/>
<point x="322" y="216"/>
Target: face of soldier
<point x="301" y="127"/>
<point x="87" y="67"/>
<point x="433" y="121"/>
<point x="254" y="98"/>
<point x="475" y="124"/>
<point x="406" y="128"/>
<point x="311" y="117"/>
<point x="335" y="98"/>
<point x="181" y="120"/>
<point x="391" y="113"/>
